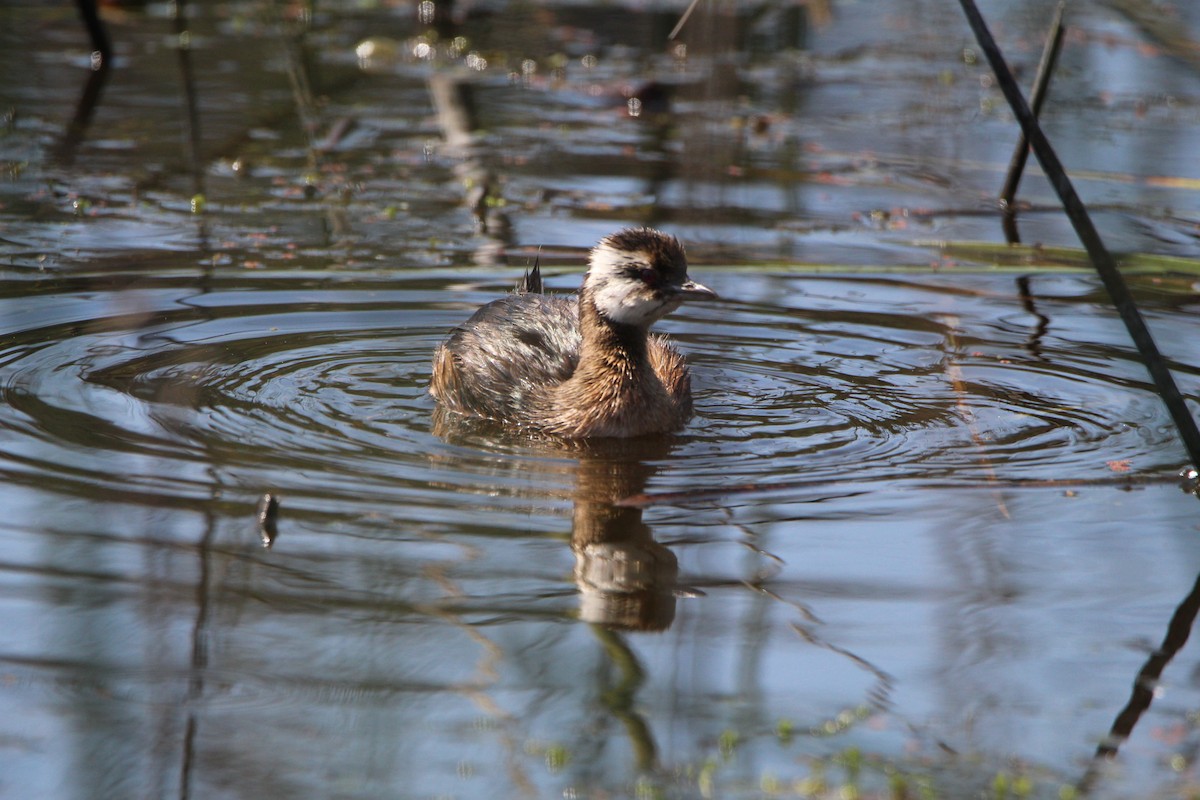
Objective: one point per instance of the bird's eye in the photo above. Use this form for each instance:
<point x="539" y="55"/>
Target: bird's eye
<point x="648" y="276"/>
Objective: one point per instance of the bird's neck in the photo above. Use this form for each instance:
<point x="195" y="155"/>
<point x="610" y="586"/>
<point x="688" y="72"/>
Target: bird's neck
<point x="610" y="347"/>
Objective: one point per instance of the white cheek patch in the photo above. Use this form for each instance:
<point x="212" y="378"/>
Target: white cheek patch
<point x="618" y="297"/>
<point x="625" y="302"/>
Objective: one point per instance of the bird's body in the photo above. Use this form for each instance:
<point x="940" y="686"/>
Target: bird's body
<point x="578" y="367"/>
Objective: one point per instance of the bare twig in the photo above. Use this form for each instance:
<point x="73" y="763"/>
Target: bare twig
<point x="1101" y="258"/>
<point x="682" y="20"/>
<point x="96" y="31"/>
<point x="191" y="102"/>
<point x="1016" y="166"/>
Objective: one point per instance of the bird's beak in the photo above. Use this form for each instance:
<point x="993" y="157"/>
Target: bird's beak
<point x="690" y="290"/>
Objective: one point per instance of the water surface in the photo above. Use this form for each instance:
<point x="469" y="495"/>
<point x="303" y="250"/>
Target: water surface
<point x="921" y="536"/>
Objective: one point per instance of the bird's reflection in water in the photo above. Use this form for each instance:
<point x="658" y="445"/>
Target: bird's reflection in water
<point x="625" y="578"/>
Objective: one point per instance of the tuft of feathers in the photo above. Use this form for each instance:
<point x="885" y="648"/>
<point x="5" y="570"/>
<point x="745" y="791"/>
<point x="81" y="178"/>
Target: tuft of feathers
<point x="532" y="280"/>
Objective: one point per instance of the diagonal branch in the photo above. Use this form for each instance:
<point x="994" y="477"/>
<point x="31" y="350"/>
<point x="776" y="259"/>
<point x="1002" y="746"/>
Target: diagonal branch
<point x="1102" y="259"/>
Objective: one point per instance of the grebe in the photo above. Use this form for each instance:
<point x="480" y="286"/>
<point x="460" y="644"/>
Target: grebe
<point x="579" y="367"/>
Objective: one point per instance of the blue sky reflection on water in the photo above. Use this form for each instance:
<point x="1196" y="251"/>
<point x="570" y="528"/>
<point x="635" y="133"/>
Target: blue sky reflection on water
<point x="893" y="602"/>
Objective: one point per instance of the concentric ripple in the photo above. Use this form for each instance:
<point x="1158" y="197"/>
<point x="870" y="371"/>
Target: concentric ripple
<point x="311" y="386"/>
<point x="162" y="382"/>
<point x="930" y="379"/>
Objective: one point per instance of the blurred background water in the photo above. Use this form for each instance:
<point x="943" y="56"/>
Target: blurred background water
<point x="920" y="539"/>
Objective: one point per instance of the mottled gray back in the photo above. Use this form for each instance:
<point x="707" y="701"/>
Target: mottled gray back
<point x="514" y="345"/>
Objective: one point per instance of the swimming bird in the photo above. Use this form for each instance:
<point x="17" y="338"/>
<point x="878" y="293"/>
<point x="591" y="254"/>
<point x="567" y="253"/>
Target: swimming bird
<point x="579" y="367"/>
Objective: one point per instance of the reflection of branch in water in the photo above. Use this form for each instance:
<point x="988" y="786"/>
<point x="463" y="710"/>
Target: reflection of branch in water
<point x="880" y="696"/>
<point x="1178" y="631"/>
<point x="183" y="47"/>
<point x="487" y="672"/>
<point x="1034" y="342"/>
<point x="453" y="99"/>
<point x="199" y="661"/>
<point x="620" y="698"/>
<point x="764" y="574"/>
<point x="101" y="44"/>
<point x="304" y="100"/>
<point x="101" y="63"/>
<point x="88" y="101"/>
<point x="650" y="107"/>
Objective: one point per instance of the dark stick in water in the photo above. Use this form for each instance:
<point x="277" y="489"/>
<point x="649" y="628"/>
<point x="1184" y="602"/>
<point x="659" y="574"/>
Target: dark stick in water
<point x="1144" y="685"/>
<point x="1041" y="83"/>
<point x="90" y="99"/>
<point x="682" y="20"/>
<point x="1102" y="260"/>
<point x="96" y="31"/>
